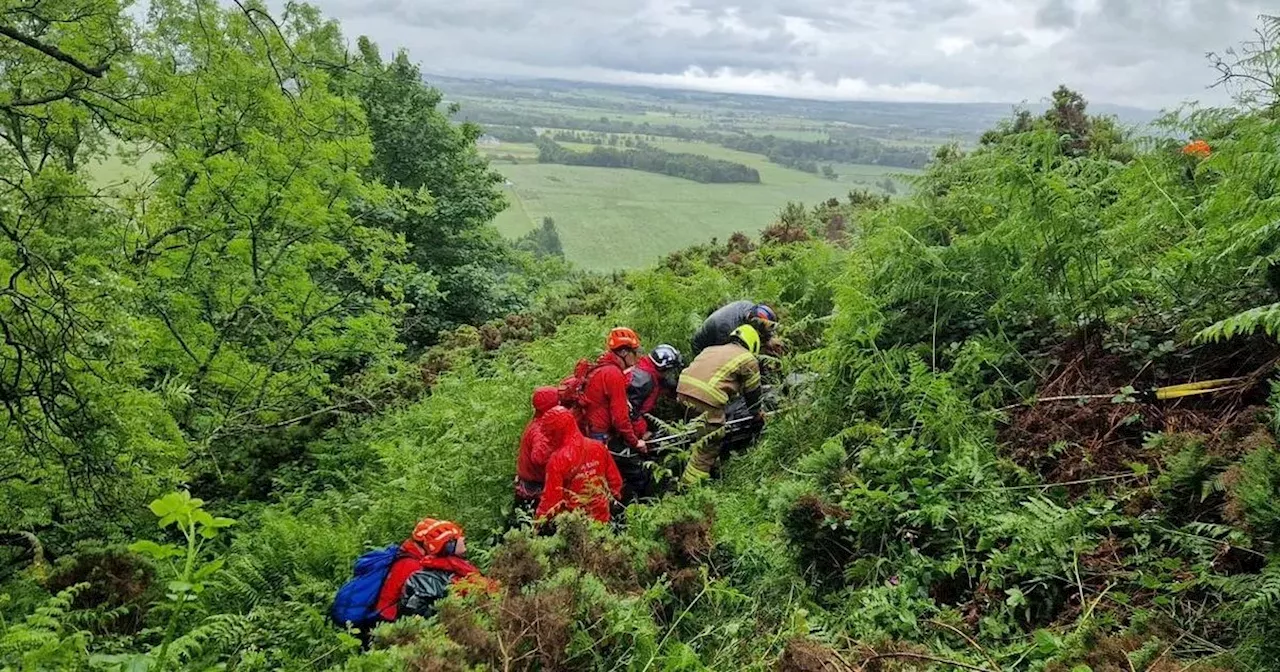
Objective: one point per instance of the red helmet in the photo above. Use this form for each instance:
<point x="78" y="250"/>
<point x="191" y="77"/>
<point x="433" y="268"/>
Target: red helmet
<point x="434" y="534"/>
<point x="622" y="338"/>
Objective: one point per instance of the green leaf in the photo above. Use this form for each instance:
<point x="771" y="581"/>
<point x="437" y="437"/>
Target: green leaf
<point x="157" y="551"/>
<point x="208" y="569"/>
<point x="1047" y="642"/>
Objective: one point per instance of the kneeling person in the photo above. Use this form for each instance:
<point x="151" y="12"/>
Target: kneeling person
<point x="718" y="375"/>
<point x="430" y="563"/>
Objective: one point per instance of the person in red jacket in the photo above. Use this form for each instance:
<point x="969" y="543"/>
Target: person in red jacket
<point x="535" y="450"/>
<point x="607" y="415"/>
<point x="431" y="561"/>
<point x="581" y="474"/>
<point x="655" y="374"/>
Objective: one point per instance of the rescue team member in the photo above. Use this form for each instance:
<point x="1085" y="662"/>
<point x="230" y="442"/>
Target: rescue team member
<point x="607" y="415"/>
<point x="430" y="563"/>
<point x="535" y="450"/>
<point x="715" y="377"/>
<point x="581" y="474"/>
<point x="655" y="374"/>
<point x="720" y="325"/>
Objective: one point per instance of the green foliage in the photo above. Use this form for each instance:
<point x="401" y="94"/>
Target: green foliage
<point x="543" y="241"/>
<point x="208" y="326"/>
<point x="44" y="640"/>
<point x="446" y="195"/>
<point x="651" y="159"/>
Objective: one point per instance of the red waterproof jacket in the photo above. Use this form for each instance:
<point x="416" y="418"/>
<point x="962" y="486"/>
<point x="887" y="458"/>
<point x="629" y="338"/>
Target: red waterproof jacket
<point x="605" y="399"/>
<point x="413" y="558"/>
<point x="535" y="449"/>
<point x="581" y="474"/>
<point x="644" y="386"/>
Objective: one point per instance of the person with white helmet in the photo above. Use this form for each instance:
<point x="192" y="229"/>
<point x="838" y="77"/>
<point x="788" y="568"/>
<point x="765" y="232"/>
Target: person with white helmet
<point x="652" y="376"/>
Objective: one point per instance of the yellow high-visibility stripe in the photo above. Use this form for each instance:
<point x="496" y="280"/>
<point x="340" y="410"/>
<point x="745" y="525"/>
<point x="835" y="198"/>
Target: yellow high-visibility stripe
<point x="711" y="387"/>
<point x="714" y="393"/>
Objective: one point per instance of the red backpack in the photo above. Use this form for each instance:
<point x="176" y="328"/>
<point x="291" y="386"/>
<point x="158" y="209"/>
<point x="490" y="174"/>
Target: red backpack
<point x="573" y="388"/>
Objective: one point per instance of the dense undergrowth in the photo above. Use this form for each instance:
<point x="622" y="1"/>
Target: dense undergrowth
<point x="977" y="477"/>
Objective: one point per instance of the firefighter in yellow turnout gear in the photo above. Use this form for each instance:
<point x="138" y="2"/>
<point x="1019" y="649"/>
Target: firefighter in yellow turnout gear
<point x="718" y="375"/>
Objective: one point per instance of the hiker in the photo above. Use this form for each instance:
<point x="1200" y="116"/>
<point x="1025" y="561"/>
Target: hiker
<point x="607" y="414"/>
<point x="581" y="474"/>
<point x="718" y="375"/>
<point x="431" y="560"/>
<point x="717" y="328"/>
<point x="407" y="579"/>
<point x="655" y="374"/>
<point x="535" y="450"/>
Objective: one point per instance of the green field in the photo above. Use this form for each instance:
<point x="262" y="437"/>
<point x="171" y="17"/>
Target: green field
<point x="615" y="218"/>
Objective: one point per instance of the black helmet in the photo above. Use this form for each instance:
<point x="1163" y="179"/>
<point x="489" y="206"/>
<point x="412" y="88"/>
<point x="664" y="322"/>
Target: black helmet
<point x="666" y="357"/>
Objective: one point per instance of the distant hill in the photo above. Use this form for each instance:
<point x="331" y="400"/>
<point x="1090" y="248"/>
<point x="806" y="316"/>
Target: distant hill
<point x="929" y="119"/>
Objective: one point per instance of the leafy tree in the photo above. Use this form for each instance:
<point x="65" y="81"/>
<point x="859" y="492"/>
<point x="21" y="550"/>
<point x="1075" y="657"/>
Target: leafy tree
<point x="543" y="241"/>
<point x="1252" y="72"/>
<point x="418" y="148"/>
<point x="651" y="159"/>
<point x="234" y="295"/>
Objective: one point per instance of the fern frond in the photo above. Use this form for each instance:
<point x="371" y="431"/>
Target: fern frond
<point x="1266" y="318"/>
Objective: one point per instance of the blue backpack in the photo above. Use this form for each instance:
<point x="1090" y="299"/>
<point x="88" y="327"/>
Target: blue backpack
<point x="357" y="600"/>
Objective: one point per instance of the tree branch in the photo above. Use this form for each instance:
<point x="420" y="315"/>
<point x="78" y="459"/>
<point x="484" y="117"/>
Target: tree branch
<point x="55" y="53"/>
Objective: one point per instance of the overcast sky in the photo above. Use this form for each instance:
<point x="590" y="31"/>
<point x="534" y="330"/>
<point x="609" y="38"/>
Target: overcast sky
<point x="1147" y="53"/>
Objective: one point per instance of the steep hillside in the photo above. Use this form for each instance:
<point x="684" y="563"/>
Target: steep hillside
<point x="997" y="464"/>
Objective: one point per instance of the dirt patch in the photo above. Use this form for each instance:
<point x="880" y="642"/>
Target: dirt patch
<point x="1074" y="438"/>
<point x="688" y="548"/>
<point x="117" y="578"/>
<point x="822" y="552"/>
<point x="805" y="655"/>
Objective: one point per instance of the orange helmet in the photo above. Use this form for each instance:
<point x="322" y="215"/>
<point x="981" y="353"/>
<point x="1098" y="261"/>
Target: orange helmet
<point x="435" y="534"/>
<point x="623" y="338"/>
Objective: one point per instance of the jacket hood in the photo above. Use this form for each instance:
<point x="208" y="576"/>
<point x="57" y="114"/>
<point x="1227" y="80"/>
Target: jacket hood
<point x="545" y="399"/>
<point x="560" y="426"/>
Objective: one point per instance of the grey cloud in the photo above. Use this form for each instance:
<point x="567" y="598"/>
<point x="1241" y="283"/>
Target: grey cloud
<point x="1131" y="51"/>
<point x="1004" y="40"/>
<point x="1056" y="14"/>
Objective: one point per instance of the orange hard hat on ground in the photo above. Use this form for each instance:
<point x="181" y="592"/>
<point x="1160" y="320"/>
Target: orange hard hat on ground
<point x="623" y="338"/>
<point x="435" y="534"/>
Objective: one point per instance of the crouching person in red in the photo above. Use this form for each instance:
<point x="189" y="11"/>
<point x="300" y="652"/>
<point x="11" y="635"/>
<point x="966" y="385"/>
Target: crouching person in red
<point x="581" y="474"/>
<point x="535" y="451"/>
<point x="430" y="563"/>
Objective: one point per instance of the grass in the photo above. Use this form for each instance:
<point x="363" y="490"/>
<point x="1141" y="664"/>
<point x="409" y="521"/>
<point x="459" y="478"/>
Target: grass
<point x="511" y="152"/>
<point x="615" y="218"/>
